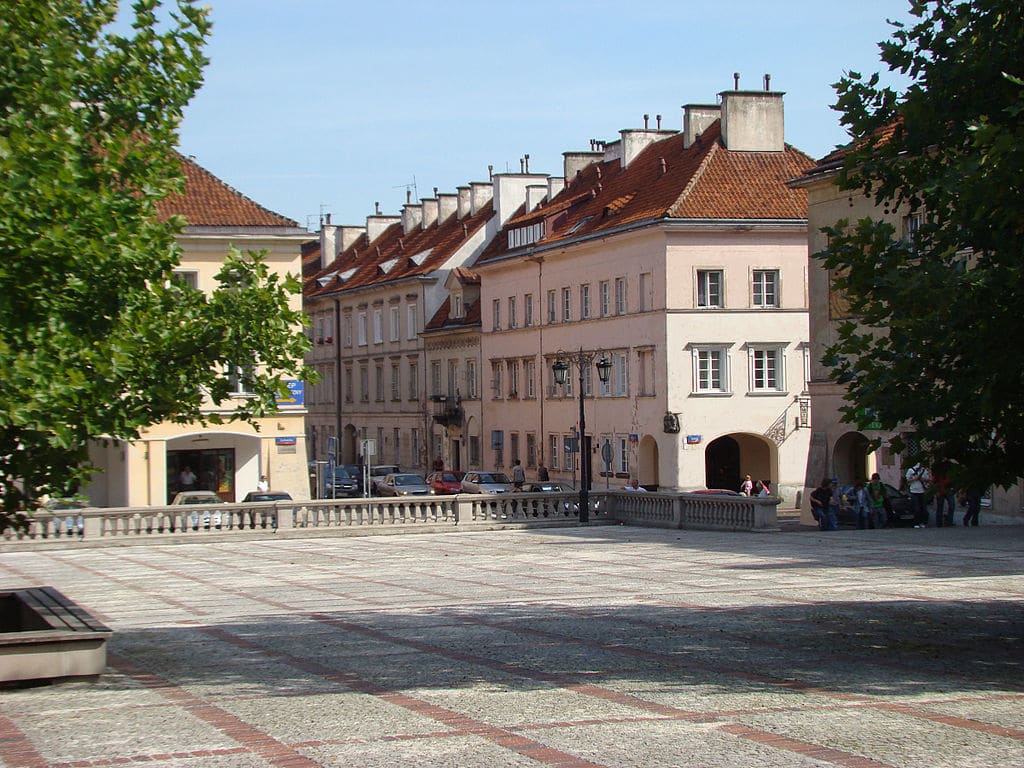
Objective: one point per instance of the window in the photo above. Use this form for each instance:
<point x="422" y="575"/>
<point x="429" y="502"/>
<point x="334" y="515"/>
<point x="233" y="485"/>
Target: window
<point x="474" y="450"/>
<point x="529" y="375"/>
<point x="531" y="449"/>
<point x="619" y="380"/>
<point x="911" y="224"/>
<point x="528" y="310"/>
<point x="362" y="329"/>
<point x="513" y="378"/>
<point x="396" y="381"/>
<point x="709" y="288"/>
<point x="604" y="298"/>
<point x="378" y="326"/>
<point x="412" y="326"/>
<point x="766" y="286"/>
<point x="498" y="447"/>
<point x="396" y="453"/>
<point x="585" y="301"/>
<point x="497" y="381"/>
<point x="348" y="385"/>
<point x="414" y="381"/>
<point x="496" y="316"/>
<point x="378" y="375"/>
<point x="766" y="370"/>
<point x="471" y="381"/>
<point x="554" y="449"/>
<point x="241" y="379"/>
<point x="646" y="292"/>
<point x="514" y="447"/>
<point x="645" y="367"/>
<point x="710" y="370"/>
<point x="512" y="319"/>
<point x="453" y="377"/>
<point x="435" y="378"/>
<point x="414" y="445"/>
<point x="348" y="330"/>
<point x="393" y="324"/>
<point x="364" y="384"/>
<point x="566" y="305"/>
<point x="623" y="455"/>
<point x="457" y="306"/>
<point x="620" y="296"/>
<point x="187" y="278"/>
<point x="552" y="307"/>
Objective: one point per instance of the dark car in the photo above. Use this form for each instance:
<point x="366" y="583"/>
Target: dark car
<point x="715" y="492"/>
<point x="445" y="482"/>
<point x="252" y="496"/>
<point x="344" y="485"/>
<point x="897" y="506"/>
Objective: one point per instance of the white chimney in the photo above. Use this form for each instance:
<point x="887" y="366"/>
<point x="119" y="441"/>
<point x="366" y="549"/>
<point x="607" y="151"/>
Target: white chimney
<point x="510" y="190"/>
<point x="328" y="242"/>
<point x="574" y="162"/>
<point x="348" y="235"/>
<point x="430" y="208"/>
<point x="635" y="141"/>
<point x="555" y="185"/>
<point x="480" y="193"/>
<point x="752" y="121"/>
<point x="697" y="118"/>
<point x="412" y="216"/>
<point x="465" y="201"/>
<point x="376" y="224"/>
<point x="447" y="204"/>
<point x="535" y="195"/>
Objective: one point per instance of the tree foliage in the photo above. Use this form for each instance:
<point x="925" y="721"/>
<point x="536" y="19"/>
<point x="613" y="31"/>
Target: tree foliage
<point x="97" y="338"/>
<point x="936" y="351"/>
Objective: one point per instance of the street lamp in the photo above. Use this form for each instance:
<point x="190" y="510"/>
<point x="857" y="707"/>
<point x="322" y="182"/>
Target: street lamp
<point x="560" y="370"/>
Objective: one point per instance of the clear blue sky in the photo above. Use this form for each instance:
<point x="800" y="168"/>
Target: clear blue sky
<point x="313" y="105"/>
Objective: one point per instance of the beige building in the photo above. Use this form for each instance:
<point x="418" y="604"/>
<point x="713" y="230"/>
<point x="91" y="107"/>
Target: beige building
<point x="839" y="449"/>
<point x="226" y="458"/>
<point x="679" y="256"/>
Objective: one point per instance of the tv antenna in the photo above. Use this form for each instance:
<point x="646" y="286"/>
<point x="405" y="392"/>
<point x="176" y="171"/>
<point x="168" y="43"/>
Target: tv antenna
<point x="410" y="190"/>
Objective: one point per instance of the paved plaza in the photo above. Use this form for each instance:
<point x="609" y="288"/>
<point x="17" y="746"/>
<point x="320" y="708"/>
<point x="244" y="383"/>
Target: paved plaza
<point x="601" y="646"/>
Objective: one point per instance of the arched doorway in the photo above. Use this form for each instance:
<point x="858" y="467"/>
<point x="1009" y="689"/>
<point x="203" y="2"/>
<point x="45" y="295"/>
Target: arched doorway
<point x="647" y="463"/>
<point x="722" y="464"/>
<point x="850" y="458"/>
<point x="730" y="457"/>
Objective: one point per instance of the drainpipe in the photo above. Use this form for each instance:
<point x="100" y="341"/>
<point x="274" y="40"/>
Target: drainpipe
<point x="338" y="382"/>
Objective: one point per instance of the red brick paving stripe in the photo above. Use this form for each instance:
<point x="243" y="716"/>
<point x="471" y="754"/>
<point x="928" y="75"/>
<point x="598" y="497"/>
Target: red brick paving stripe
<point x="955" y="721"/>
<point x="816" y="751"/>
<point x="253" y="739"/>
<point x="16" y="749"/>
<point x="133" y="759"/>
<point x="461" y="724"/>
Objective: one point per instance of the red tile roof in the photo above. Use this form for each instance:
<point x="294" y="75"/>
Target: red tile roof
<point x="209" y="202"/>
<point x="443" y="321"/>
<point x="668" y="181"/>
<point x="370" y="263"/>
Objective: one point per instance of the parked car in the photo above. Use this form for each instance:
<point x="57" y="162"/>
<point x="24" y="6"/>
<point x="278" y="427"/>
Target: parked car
<point x="342" y="485"/>
<point x="445" y="482"/>
<point x="898" y="509"/>
<point x="569" y="507"/>
<point x="404" y="484"/>
<point x="379" y="471"/>
<point x="715" y="492"/>
<point x="486" y="482"/>
<point x="200" y="497"/>
<point x="265" y="517"/>
<point x="267" y="496"/>
<point x="65" y="517"/>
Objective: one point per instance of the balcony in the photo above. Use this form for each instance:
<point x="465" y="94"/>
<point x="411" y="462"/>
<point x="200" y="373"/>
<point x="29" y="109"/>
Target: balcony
<point x="447" y="410"/>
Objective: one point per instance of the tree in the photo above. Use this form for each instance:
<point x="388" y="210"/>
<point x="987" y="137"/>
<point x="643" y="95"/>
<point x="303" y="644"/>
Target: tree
<point x="936" y="349"/>
<point x="98" y="340"/>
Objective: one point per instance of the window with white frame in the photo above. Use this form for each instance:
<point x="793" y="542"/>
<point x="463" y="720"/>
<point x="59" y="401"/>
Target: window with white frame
<point x="620" y="296"/>
<point x="188" y="278"/>
<point x="619" y="379"/>
<point x="766" y="288"/>
<point x="554" y="449"/>
<point x="529" y="378"/>
<point x="435" y="377"/>
<point x="378" y="326"/>
<point x="709" y="288"/>
<point x="513" y="378"/>
<point x="411" y="320"/>
<point x="604" y="298"/>
<point x="414" y="380"/>
<point x="364" y="384"/>
<point x="766" y="369"/>
<point x="646" y="292"/>
<point x="396" y="381"/>
<point x="528" y="310"/>
<point x="394" y="319"/>
<point x="513" y="320"/>
<point x="552" y="307"/>
<point x="347" y="323"/>
<point x="711" y="369"/>
<point x="362" y="329"/>
<point x="531" y="450"/>
<point x="585" y="301"/>
<point x="348" y="384"/>
<point x="623" y="455"/>
<point x="497" y="380"/>
<point x="566" y="305"/>
<point x="471" y="379"/>
<point x="241" y="379"/>
<point x="378" y="374"/>
<point x="453" y="377"/>
<point x="496" y="315"/>
<point x="457" y="306"/>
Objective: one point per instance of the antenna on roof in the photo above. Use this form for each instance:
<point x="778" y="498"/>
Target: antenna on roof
<point x="410" y="189"/>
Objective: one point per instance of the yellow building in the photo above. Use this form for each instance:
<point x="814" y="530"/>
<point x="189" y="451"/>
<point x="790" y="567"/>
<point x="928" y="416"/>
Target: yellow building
<point x="227" y="458"/>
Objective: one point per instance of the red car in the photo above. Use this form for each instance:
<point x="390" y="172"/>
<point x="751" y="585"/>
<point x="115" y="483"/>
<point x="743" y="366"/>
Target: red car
<point x="446" y="483"/>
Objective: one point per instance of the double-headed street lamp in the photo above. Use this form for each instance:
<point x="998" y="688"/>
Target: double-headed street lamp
<point x="560" y="369"/>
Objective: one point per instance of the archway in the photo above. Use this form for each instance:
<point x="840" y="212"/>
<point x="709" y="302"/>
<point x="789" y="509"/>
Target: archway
<point x="647" y="463"/>
<point x="850" y="458"/>
<point x="730" y="457"/>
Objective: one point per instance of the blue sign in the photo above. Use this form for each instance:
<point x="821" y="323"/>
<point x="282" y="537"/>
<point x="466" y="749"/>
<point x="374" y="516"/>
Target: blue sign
<point x="284" y="441"/>
<point x="296" y="393"/>
<point x="693" y="439"/>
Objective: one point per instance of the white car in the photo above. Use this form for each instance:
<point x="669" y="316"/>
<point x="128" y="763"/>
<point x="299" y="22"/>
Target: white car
<point x="204" y="498"/>
<point x="486" y="482"/>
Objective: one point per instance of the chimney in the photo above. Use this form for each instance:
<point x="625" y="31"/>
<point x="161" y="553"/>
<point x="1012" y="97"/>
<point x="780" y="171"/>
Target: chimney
<point x="555" y="185"/>
<point x="535" y="195"/>
<point x="429" y="215"/>
<point x="447" y="204"/>
<point x="510" y="191"/>
<point x="480" y="193"/>
<point x="348" y="236"/>
<point x="635" y="141"/>
<point x="697" y="118"/>
<point x="574" y="162"/>
<point x="412" y="217"/>
<point x="328" y="243"/>
<point x="753" y="121"/>
<point x="376" y="224"/>
<point x="465" y="205"/>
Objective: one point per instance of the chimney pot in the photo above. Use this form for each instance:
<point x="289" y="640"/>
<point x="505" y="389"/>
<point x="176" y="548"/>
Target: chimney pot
<point x="646" y="118"/>
<point x="376" y="208"/>
<point x="522" y="163"/>
<point x="527" y="159"/>
<point x="490" y="172"/>
<point x="735" y="81"/>
<point x="328" y="219"/>
<point x="658" y="118"/>
<point x="767" y="82"/>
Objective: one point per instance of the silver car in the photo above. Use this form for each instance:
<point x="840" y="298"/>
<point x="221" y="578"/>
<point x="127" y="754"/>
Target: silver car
<point x="404" y="484"/>
<point x="486" y="482"/>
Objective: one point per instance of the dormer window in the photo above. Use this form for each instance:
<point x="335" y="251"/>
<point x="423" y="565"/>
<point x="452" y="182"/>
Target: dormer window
<point x="457" y="306"/>
<point x="525" y="235"/>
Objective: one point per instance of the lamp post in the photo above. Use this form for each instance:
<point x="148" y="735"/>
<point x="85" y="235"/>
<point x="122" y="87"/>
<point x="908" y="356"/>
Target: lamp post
<point x="560" y="370"/>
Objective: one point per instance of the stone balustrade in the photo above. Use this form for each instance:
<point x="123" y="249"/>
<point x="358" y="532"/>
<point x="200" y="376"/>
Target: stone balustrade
<point x="402" y="514"/>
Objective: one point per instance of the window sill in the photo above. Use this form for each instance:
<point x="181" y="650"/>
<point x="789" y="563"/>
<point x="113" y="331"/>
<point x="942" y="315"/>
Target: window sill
<point x="711" y="394"/>
<point x="767" y="393"/>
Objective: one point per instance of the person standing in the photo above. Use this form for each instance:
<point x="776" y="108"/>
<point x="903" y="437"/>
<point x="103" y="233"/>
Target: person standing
<point x="918" y="480"/>
<point x="518" y="475"/>
<point x="945" y="498"/>
<point x="635" y="487"/>
<point x="263" y="485"/>
<point x="876" y="498"/>
<point x="542" y="474"/>
<point x="747" y="486"/>
<point x="821" y="500"/>
<point x="973" y="496"/>
<point x="862" y="505"/>
<point x="187" y="479"/>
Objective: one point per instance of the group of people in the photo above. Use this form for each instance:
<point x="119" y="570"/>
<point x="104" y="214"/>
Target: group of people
<point x="872" y="505"/>
<point x="760" y="488"/>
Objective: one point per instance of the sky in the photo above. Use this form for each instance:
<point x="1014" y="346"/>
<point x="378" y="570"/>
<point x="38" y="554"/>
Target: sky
<point x="330" y="106"/>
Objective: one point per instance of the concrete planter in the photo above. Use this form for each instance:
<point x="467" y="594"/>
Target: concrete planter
<point x="45" y="636"/>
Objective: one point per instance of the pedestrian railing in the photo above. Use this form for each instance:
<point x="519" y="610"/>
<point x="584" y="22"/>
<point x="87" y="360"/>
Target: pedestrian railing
<point x="406" y="513"/>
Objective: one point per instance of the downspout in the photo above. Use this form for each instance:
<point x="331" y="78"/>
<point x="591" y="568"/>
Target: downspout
<point x="337" y="382"/>
<point x="540" y="343"/>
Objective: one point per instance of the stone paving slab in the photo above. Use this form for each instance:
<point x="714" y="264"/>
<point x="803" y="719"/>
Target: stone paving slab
<point x="602" y="646"/>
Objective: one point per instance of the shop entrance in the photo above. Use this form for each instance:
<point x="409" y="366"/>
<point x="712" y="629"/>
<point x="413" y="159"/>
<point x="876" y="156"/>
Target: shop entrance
<point x="212" y="470"/>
